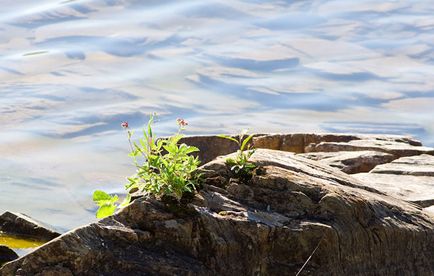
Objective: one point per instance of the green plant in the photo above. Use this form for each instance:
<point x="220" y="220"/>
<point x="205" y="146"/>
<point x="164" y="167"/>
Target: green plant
<point x="107" y="203"/>
<point x="167" y="169"/>
<point x="240" y="165"/>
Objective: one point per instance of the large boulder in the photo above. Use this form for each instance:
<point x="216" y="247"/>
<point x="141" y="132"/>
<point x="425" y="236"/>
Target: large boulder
<point x="269" y="225"/>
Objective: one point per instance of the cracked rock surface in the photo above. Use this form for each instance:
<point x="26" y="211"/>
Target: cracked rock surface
<point x="408" y="178"/>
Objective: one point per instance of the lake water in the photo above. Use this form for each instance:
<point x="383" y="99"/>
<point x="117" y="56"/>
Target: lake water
<point x="71" y="71"/>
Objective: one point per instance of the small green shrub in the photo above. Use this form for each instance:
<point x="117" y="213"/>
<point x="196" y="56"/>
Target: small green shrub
<point x="240" y="165"/>
<point x="167" y="169"/>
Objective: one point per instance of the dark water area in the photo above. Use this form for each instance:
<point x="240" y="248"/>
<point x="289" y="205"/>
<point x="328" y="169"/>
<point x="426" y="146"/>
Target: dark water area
<point x="72" y="71"/>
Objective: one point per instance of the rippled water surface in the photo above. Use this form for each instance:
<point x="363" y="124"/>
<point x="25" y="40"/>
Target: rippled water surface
<point x="71" y="71"/>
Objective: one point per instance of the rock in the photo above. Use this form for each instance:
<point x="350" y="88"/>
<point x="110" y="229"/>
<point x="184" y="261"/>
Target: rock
<point x="210" y="146"/>
<point x="351" y="161"/>
<point x="416" y="189"/>
<point x="398" y="149"/>
<point x="407" y="178"/>
<point x="269" y="225"/>
<point x="213" y="146"/>
<point x="430" y="209"/>
<point x="297" y="142"/>
<point x="20" y="224"/>
<point x="7" y="255"/>
<point x="421" y="165"/>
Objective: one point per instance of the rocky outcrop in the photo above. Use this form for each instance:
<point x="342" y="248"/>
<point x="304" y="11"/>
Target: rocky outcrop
<point x="407" y="178"/>
<point x="213" y="146"/>
<point x="22" y="225"/>
<point x="351" y="161"/>
<point x="416" y="189"/>
<point x="421" y="165"/>
<point x="398" y="149"/>
<point x="298" y="142"/>
<point x="351" y="153"/>
<point x="7" y="255"/>
<point x="268" y="225"/>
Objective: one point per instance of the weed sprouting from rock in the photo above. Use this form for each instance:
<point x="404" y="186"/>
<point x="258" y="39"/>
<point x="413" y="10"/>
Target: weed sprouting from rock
<point x="240" y="165"/>
<point x="168" y="169"/>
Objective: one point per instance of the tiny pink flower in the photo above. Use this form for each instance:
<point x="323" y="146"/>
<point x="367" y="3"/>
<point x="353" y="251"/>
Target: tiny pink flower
<point x="182" y="122"/>
<point x="124" y="124"/>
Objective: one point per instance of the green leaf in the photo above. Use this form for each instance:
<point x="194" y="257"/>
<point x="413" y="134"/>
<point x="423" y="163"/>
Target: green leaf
<point x="150" y="122"/>
<point x="191" y="149"/>
<point x="134" y="153"/>
<point x="230" y="161"/>
<point x="160" y="143"/>
<point x="143" y="143"/>
<point x="175" y="138"/>
<point x="105" y="211"/>
<point x="250" y="165"/>
<point x="243" y="145"/>
<point x="170" y="148"/>
<point x="103" y="199"/>
<point x="114" y="199"/>
<point x="99" y="195"/>
<point x="228" y="137"/>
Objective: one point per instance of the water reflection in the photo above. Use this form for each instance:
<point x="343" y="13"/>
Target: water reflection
<point x="71" y="71"/>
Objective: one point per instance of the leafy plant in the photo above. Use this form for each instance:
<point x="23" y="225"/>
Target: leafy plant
<point x="168" y="168"/>
<point x="240" y="165"/>
<point x="107" y="203"/>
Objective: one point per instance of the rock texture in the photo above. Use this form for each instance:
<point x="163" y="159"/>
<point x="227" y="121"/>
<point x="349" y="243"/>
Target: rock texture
<point x="421" y="165"/>
<point x="398" y="149"/>
<point x="407" y="178"/>
<point x="7" y="255"/>
<point x="416" y="189"/>
<point x="213" y="146"/>
<point x="266" y="226"/>
<point x="298" y="142"/>
<point x="20" y="224"/>
<point x="351" y="161"/>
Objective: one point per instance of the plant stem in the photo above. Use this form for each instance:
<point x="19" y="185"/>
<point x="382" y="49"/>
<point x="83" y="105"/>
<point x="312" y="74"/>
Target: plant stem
<point x="132" y="149"/>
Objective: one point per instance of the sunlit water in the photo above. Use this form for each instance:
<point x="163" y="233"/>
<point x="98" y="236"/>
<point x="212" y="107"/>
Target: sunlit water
<point x="71" y="71"/>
